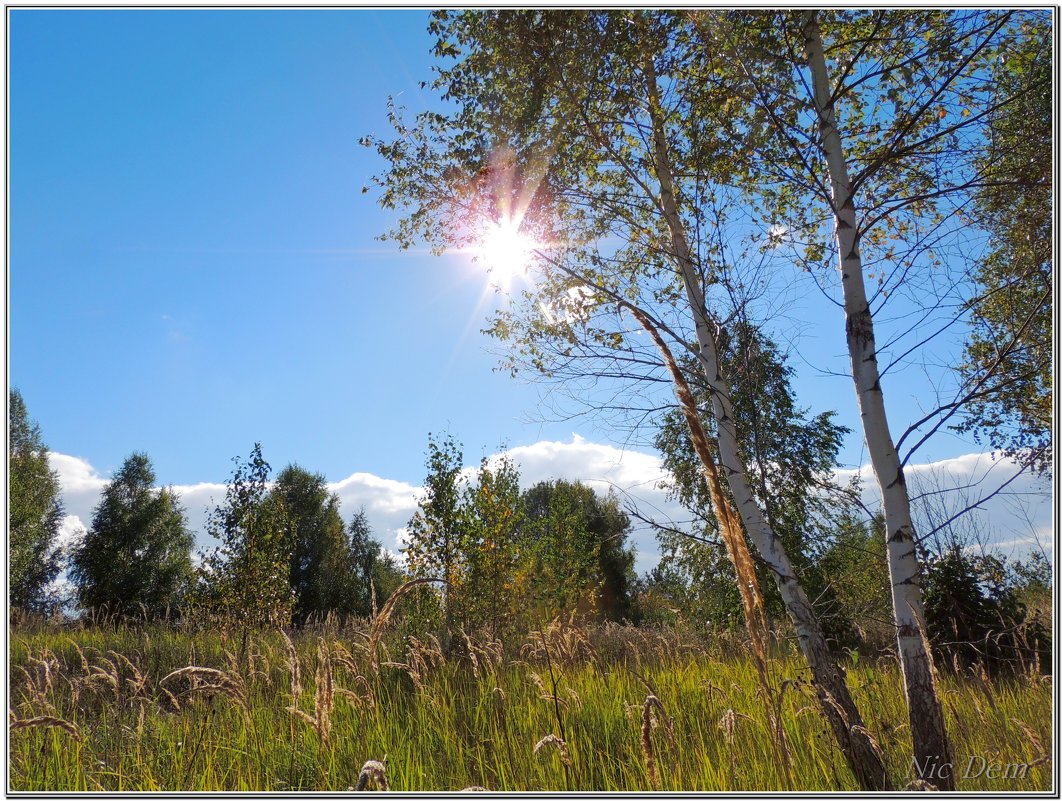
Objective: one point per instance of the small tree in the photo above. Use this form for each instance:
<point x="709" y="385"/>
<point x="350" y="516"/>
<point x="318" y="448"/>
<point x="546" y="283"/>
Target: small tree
<point x="974" y="614"/>
<point x="577" y="549"/>
<point x="437" y="532"/>
<point x="855" y="564"/>
<point x="247" y="578"/>
<point x="791" y="456"/>
<point x="494" y="512"/>
<point x="35" y="511"/>
<point x="137" y="556"/>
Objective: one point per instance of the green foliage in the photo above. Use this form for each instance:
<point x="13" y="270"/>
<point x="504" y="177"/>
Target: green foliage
<point x="320" y="571"/>
<point x="578" y="559"/>
<point x="515" y="560"/>
<point x="494" y="518"/>
<point x="1010" y="345"/>
<point x="245" y="581"/>
<point x="438" y="541"/>
<point x="35" y="511"/>
<point x="136" y="558"/>
<point x="854" y="561"/>
<point x="790" y="459"/>
<point x="974" y="613"/>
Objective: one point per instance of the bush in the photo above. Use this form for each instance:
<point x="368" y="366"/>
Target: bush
<point x="974" y="614"/>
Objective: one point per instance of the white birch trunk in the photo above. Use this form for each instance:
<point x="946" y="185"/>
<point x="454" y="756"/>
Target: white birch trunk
<point x="924" y="709"/>
<point x="834" y="698"/>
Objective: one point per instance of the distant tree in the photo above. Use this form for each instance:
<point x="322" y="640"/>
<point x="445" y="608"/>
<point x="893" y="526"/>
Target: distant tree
<point x="246" y="579"/>
<point x="855" y="564"/>
<point x="319" y="567"/>
<point x="35" y="510"/>
<point x="1034" y="584"/>
<point x="974" y="614"/>
<point x="374" y="573"/>
<point x="137" y="555"/>
<point x="577" y="549"/>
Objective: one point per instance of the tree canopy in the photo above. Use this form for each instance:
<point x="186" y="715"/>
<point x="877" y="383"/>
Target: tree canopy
<point x="137" y="555"/>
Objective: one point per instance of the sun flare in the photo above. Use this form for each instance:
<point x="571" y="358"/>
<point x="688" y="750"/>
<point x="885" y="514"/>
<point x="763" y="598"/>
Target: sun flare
<point x="507" y="251"/>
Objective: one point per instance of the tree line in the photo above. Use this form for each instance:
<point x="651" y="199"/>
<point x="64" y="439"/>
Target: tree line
<point x="506" y="558"/>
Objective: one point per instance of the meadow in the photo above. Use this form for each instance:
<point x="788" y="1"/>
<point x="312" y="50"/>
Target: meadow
<point x="606" y="707"/>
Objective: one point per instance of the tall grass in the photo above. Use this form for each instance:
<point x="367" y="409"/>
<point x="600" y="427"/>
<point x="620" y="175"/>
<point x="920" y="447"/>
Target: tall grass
<point x="610" y="708"/>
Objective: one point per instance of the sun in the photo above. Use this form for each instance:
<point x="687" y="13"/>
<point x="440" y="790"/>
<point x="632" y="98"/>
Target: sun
<point x="506" y="251"/>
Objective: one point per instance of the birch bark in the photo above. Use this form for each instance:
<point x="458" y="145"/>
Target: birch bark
<point x="923" y="705"/>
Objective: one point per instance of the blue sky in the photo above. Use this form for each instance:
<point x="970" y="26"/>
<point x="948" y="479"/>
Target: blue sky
<point x="193" y="266"/>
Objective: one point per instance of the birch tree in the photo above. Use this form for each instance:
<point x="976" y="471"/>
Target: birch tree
<point x="879" y="120"/>
<point x="582" y="123"/>
<point x="924" y="708"/>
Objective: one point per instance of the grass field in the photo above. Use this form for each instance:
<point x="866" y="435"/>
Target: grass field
<point x="122" y="709"/>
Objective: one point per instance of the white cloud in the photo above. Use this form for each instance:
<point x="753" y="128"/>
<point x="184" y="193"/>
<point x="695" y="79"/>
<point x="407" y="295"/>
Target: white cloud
<point x="388" y="504"/>
<point x="80" y="482"/>
<point x="71" y="532"/>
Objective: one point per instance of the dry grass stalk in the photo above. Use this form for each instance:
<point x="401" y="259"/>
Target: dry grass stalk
<point x="920" y="785"/>
<point x="545" y="694"/>
<point x="871" y="739"/>
<point x="728" y="724"/>
<point x="373" y="776"/>
<point x="344" y="658"/>
<point x="174" y="703"/>
<point x="81" y="656"/>
<point x="559" y="744"/>
<point x="294" y="669"/>
<point x="324" y="697"/>
<point x="138" y="681"/>
<point x="471" y="651"/>
<point x="436" y="648"/>
<point x="380" y="620"/>
<point x="222" y="683"/>
<point x="647" y="740"/>
<point x="44" y="722"/>
<point x="732" y="533"/>
<point x="981" y="677"/>
<point x="1030" y="734"/>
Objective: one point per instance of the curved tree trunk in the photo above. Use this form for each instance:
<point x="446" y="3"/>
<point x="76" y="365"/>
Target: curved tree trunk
<point x="734" y="539"/>
<point x="931" y="747"/>
<point x="835" y="700"/>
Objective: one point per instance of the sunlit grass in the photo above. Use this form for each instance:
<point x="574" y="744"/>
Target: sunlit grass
<point x="450" y="724"/>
